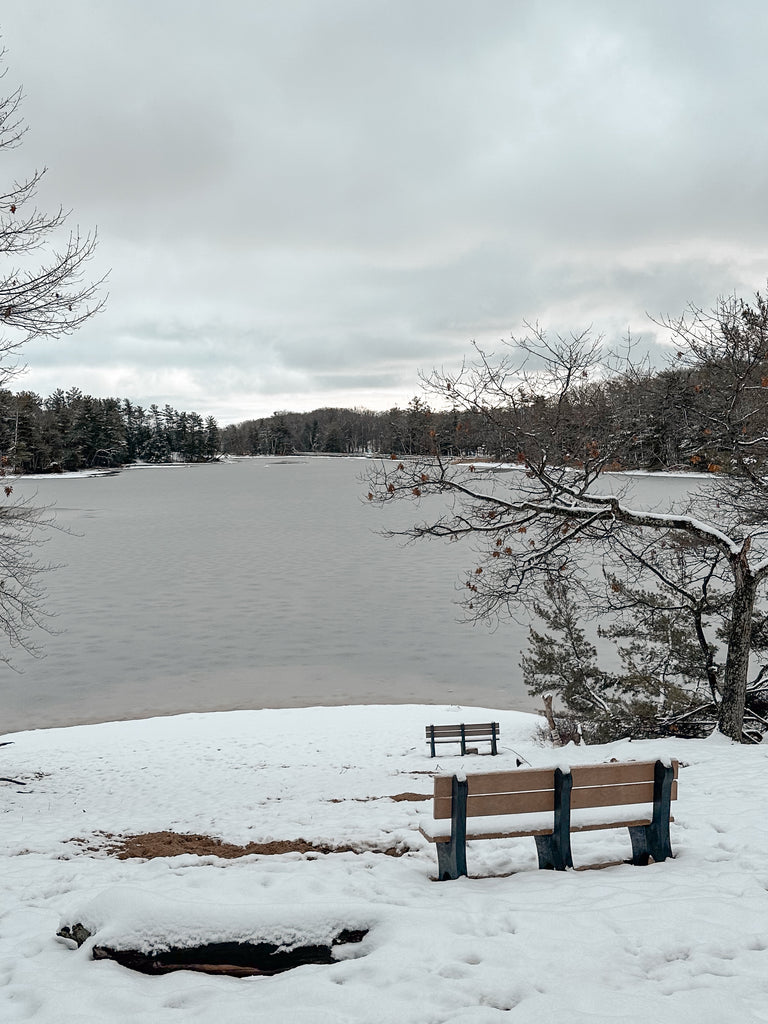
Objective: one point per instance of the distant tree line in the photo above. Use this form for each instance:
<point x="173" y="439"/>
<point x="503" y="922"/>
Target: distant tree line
<point x="70" y="431"/>
<point x="663" y="416"/>
<point x="332" y="431"/>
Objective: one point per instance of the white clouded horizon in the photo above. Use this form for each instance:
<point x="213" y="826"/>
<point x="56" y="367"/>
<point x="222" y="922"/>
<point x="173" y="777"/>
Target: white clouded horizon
<point x="307" y="203"/>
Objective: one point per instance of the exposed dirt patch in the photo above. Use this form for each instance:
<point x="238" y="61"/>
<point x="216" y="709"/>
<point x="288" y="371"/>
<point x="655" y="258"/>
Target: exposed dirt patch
<point x="149" y="845"/>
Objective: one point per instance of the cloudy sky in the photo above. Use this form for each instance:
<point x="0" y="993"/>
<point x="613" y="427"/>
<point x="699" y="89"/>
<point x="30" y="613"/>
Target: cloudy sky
<point x="305" y="202"/>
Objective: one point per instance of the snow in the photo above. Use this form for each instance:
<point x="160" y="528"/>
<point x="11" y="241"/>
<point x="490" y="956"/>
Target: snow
<point x="80" y="474"/>
<point x="682" y="941"/>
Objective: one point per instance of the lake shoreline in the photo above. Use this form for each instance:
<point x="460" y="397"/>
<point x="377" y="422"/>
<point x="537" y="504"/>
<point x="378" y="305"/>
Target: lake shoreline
<point x="76" y="722"/>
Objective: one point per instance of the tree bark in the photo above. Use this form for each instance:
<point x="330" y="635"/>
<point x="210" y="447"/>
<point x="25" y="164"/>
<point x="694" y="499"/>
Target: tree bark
<point x="731" y="719"/>
<point x="550" y="715"/>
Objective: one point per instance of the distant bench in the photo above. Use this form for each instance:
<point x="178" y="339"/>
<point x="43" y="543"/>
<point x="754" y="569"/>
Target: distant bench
<point x="549" y="804"/>
<point x="484" y="732"/>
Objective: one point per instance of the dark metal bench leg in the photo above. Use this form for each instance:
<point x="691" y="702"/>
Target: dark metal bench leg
<point x="494" y="734"/>
<point x="555" y="851"/>
<point x="452" y="856"/>
<point x="652" y="841"/>
<point x="549" y="857"/>
<point x="451" y="861"/>
<point x="641" y="850"/>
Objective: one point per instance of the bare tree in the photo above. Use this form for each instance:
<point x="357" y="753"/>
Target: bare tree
<point x="547" y="409"/>
<point x="42" y="294"/>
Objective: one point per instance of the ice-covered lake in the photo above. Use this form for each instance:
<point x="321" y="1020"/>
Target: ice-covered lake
<point x="255" y="583"/>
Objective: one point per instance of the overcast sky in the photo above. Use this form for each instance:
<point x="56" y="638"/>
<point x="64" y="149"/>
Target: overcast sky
<point x="305" y="202"/>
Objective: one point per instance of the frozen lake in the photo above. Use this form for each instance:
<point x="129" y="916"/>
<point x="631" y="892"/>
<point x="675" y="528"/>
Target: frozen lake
<point x="256" y="583"/>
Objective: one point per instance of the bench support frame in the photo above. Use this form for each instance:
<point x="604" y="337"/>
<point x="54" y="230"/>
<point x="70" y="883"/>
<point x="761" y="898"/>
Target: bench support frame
<point x="652" y="841"/>
<point x="555" y="850"/>
<point x="452" y="856"/>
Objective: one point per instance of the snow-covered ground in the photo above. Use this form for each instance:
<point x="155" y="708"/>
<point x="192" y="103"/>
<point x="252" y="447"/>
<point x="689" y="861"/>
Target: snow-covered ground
<point x="683" y="941"/>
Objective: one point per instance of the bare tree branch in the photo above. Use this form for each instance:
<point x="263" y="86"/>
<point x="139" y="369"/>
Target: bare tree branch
<point x="43" y="293"/>
<point x="554" y="417"/>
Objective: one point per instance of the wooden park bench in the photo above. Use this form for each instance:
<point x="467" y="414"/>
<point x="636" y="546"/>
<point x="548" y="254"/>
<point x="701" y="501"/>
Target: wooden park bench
<point x="549" y="804"/>
<point x="484" y="732"/>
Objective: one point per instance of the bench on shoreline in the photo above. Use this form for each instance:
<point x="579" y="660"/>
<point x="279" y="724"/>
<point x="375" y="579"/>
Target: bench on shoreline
<point x="482" y="732"/>
<point x="549" y="804"/>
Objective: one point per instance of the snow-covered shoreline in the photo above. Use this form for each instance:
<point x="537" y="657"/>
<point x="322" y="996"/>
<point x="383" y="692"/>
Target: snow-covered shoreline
<point x="501" y="467"/>
<point x="686" y="940"/>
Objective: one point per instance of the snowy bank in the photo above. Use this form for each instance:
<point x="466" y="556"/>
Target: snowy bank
<point x="683" y="941"/>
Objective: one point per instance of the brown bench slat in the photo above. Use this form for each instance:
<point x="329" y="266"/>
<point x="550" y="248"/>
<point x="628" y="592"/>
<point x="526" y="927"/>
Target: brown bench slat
<point x="455" y="730"/>
<point x="520" y="780"/>
<point x="521" y="833"/>
<point x="484" y="804"/>
<point x="525" y="780"/>
<point x="497" y="834"/>
<point x="457" y="739"/>
<point x="609" y="796"/>
<point x="613" y="824"/>
<point x="481" y="805"/>
<point x="612" y="774"/>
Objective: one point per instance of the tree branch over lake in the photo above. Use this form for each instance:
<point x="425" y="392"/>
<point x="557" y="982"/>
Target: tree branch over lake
<point x="552" y="427"/>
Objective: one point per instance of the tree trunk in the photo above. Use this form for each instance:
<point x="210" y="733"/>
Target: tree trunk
<point x="554" y="732"/>
<point x="734" y="693"/>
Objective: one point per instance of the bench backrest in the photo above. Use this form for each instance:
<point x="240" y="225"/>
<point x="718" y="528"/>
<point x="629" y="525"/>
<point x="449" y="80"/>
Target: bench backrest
<point x="472" y="731"/>
<point x="527" y="790"/>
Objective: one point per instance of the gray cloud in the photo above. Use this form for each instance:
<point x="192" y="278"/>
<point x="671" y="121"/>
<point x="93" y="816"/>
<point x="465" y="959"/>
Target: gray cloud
<point x="304" y="204"/>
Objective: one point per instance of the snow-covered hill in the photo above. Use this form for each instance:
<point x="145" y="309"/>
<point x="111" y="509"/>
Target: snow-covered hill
<point x="683" y="941"/>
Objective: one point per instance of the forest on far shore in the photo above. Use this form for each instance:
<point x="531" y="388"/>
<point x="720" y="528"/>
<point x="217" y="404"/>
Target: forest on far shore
<point x="664" y="414"/>
<point x="69" y="431"/>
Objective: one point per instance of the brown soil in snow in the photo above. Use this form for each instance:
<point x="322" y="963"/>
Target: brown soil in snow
<point x="149" y="845"/>
<point x="174" y="844"/>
